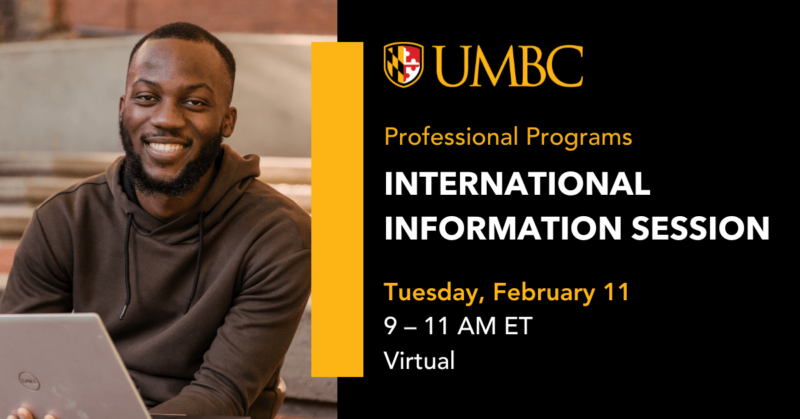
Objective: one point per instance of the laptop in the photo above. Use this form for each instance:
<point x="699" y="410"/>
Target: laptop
<point x="66" y="365"/>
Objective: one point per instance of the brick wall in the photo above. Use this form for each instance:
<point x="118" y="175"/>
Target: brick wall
<point x="252" y="16"/>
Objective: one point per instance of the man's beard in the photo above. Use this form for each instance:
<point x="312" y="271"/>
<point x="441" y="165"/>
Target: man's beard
<point x="186" y="180"/>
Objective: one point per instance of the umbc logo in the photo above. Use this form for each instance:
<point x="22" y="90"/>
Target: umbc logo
<point x="403" y="63"/>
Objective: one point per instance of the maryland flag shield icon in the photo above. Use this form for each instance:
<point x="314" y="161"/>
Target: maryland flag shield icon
<point x="403" y="62"/>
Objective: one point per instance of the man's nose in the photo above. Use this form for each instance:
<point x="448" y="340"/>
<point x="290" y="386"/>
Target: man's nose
<point x="168" y="115"/>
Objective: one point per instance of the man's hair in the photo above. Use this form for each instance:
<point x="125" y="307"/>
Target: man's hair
<point x="194" y="33"/>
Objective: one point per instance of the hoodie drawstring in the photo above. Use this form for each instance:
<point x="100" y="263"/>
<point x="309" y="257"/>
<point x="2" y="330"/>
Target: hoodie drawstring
<point x="127" y="270"/>
<point x="127" y="275"/>
<point x="197" y="269"/>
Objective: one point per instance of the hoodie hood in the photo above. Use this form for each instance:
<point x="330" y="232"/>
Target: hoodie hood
<point x="233" y="177"/>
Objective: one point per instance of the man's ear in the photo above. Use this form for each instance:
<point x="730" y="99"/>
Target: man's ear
<point x="121" y="106"/>
<point x="229" y="122"/>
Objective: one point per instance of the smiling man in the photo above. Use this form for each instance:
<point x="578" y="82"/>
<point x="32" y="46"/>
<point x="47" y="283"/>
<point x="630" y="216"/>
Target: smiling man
<point x="199" y="271"/>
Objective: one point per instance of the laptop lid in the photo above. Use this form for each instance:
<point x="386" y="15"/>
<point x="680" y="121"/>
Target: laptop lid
<point x="65" y="365"/>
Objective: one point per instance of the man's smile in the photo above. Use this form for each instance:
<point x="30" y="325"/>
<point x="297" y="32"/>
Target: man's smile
<point x="165" y="149"/>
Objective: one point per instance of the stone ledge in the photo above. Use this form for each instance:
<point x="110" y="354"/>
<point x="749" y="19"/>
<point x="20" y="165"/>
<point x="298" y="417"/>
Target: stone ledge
<point x="289" y="170"/>
<point x="14" y="219"/>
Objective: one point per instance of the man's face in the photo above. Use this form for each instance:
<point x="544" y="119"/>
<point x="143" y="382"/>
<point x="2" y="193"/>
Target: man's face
<point x="174" y="114"/>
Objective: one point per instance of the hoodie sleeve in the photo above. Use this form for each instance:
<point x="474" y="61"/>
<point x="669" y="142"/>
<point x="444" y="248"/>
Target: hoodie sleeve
<point x="250" y="346"/>
<point x="38" y="282"/>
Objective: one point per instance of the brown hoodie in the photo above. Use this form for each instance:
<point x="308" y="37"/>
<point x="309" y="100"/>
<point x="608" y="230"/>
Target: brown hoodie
<point x="222" y="356"/>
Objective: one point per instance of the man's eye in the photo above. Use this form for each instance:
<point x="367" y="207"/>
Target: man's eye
<point x="146" y="97"/>
<point x="194" y="103"/>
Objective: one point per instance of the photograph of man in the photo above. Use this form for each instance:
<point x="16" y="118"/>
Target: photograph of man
<point x="199" y="271"/>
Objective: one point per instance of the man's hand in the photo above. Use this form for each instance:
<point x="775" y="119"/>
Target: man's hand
<point x="23" y="413"/>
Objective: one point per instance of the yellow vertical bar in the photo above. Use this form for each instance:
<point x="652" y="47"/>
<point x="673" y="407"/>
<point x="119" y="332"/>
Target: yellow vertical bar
<point x="337" y="224"/>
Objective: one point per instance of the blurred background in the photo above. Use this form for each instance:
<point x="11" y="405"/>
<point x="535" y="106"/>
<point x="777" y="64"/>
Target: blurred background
<point x="62" y="71"/>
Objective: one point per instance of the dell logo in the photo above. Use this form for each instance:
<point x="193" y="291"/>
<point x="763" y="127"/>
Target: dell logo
<point x="29" y="381"/>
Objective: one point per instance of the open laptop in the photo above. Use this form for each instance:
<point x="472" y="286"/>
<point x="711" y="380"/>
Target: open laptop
<point x="65" y="365"/>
